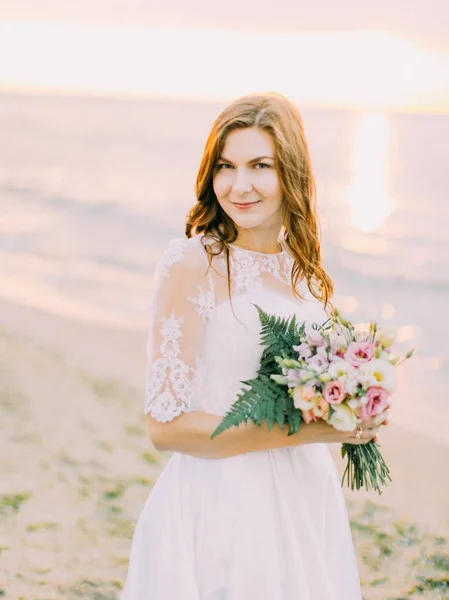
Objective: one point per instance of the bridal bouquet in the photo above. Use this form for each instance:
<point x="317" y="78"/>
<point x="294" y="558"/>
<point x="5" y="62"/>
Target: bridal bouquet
<point x="337" y="372"/>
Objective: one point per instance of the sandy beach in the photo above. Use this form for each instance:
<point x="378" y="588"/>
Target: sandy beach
<point x="77" y="466"/>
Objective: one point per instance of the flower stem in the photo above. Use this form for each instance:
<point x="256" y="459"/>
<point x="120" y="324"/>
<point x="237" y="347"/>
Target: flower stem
<point x="365" y="467"/>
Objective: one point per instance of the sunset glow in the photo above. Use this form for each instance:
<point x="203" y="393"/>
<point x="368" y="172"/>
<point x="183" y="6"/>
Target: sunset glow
<point x="365" y="69"/>
<point x="369" y="203"/>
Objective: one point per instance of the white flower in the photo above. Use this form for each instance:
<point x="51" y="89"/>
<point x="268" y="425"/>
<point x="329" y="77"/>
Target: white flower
<point x="379" y="373"/>
<point x="343" y="418"/>
<point x="302" y="398"/>
<point x="351" y="385"/>
<point x="354" y="403"/>
<point x="345" y="372"/>
<point x="340" y="369"/>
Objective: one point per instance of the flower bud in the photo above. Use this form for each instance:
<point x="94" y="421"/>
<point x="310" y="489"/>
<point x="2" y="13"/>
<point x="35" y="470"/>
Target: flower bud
<point x="386" y="338"/>
<point x="308" y="377"/>
<point x="325" y="377"/>
<point x="280" y="379"/>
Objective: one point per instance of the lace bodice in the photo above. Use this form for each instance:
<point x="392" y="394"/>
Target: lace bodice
<point x="203" y="344"/>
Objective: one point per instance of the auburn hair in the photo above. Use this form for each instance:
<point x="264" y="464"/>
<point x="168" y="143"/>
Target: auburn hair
<point x="279" y="117"/>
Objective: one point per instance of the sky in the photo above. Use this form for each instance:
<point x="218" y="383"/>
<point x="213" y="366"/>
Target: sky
<point x="391" y="55"/>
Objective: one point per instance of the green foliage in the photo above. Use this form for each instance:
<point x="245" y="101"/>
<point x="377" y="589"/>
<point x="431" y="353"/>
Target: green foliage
<point x="115" y="492"/>
<point x="278" y="336"/>
<point x="149" y="458"/>
<point x="11" y="503"/>
<point x="263" y="400"/>
<point x="42" y="525"/>
<point x="431" y="584"/>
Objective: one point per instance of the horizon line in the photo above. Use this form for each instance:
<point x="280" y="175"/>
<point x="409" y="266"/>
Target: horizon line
<point x="192" y="98"/>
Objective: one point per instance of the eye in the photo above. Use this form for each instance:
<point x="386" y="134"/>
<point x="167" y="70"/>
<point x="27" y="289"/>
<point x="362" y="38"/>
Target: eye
<point x="262" y="165"/>
<point x="222" y="166"/>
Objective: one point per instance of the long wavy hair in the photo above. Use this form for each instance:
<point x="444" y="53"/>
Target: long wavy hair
<point x="279" y="117"/>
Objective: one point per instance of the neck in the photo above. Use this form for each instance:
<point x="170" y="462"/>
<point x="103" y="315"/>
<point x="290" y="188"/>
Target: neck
<point x="266" y="244"/>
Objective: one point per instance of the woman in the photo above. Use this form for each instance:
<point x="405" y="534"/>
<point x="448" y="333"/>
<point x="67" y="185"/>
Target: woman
<point x="251" y="514"/>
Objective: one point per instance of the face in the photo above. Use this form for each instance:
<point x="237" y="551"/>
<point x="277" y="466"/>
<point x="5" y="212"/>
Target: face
<point x="246" y="181"/>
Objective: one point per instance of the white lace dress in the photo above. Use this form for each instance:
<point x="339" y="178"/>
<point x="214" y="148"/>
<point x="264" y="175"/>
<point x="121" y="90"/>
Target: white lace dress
<point x="264" y="525"/>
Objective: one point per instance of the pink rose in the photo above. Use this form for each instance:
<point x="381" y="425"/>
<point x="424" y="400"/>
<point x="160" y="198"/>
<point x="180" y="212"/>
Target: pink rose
<point x="358" y="353"/>
<point x="334" y="392"/>
<point x="377" y="401"/>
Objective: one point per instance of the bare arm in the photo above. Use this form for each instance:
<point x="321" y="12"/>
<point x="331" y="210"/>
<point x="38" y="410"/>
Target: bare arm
<point x="190" y="432"/>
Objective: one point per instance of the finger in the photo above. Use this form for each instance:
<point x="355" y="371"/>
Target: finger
<point x="368" y="423"/>
<point x="363" y="434"/>
<point x="356" y="442"/>
<point x="375" y="421"/>
<point x="371" y="428"/>
<point x="370" y="433"/>
<point x="378" y="419"/>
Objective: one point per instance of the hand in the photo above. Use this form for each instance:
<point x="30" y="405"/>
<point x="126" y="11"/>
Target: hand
<point x="320" y="431"/>
<point x="369" y="429"/>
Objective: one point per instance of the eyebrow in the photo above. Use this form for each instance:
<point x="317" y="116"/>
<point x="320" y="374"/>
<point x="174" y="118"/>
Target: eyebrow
<point x="250" y="161"/>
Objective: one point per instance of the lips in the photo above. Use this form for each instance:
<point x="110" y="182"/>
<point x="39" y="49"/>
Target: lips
<point x="245" y="205"/>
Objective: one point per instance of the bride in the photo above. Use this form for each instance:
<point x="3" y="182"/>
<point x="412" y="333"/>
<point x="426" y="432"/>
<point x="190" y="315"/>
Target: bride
<point x="251" y="514"/>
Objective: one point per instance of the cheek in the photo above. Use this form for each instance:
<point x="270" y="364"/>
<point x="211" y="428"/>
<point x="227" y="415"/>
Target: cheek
<point x="270" y="186"/>
<point x="220" y="185"/>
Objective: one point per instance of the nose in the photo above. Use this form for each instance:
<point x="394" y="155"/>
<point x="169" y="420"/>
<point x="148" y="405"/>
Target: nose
<point x="241" y="183"/>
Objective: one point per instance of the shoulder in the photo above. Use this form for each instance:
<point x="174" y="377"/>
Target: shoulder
<point x="183" y="255"/>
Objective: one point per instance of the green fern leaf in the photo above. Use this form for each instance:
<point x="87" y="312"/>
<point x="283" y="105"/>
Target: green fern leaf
<point x="239" y="412"/>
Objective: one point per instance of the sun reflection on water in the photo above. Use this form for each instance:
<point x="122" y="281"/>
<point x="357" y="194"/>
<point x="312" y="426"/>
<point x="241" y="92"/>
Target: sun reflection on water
<point x="369" y="204"/>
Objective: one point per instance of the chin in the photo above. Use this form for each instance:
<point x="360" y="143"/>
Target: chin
<point x="246" y="221"/>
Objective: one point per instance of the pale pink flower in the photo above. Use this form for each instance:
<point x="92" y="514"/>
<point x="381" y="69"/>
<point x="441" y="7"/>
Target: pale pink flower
<point x="318" y="363"/>
<point x="308" y="416"/>
<point x="337" y="343"/>
<point x="322" y="351"/>
<point x="293" y="376"/>
<point x="377" y="399"/>
<point x="308" y="392"/>
<point x="321" y="408"/>
<point x="359" y="353"/>
<point x="334" y="392"/>
<point x="314" y="336"/>
<point x="303" y="350"/>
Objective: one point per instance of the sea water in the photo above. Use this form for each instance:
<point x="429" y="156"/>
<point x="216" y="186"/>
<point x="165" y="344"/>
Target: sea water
<point x="92" y="189"/>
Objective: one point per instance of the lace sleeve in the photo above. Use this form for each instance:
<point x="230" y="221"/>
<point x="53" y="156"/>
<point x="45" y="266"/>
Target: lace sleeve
<point x="183" y="301"/>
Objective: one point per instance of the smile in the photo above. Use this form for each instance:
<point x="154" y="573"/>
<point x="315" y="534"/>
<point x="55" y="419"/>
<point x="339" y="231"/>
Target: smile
<point x="246" y="205"/>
